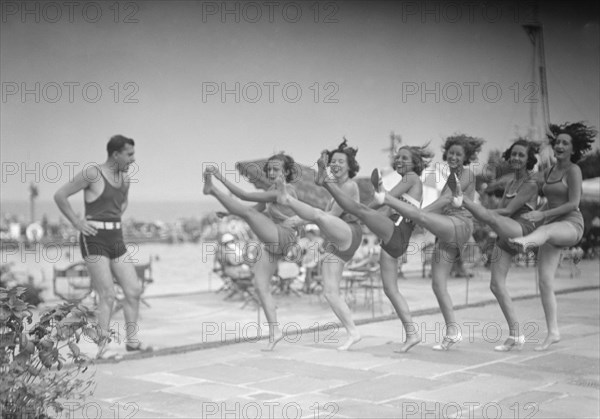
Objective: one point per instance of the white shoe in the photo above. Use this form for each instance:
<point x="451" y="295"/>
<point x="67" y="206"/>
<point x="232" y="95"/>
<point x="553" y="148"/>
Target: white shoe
<point x="512" y="343"/>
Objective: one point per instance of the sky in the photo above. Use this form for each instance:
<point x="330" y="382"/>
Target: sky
<point x="297" y="77"/>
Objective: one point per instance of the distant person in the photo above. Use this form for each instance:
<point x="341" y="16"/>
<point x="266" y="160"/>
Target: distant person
<point x="105" y="189"/>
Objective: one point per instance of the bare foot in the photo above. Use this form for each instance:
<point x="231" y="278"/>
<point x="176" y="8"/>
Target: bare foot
<point x="550" y="339"/>
<point x="409" y="343"/>
<point x="208" y="185"/>
<point x="273" y="340"/>
<point x="352" y="339"/>
<point x="322" y="174"/>
<point x="282" y="196"/>
<point x="519" y="244"/>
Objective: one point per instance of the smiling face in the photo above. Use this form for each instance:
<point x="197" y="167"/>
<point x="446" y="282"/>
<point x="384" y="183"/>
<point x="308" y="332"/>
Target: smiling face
<point x="403" y="162"/>
<point x="563" y="147"/>
<point x="274" y="169"/>
<point x="455" y="156"/>
<point x="339" y="165"/>
<point x="518" y="157"/>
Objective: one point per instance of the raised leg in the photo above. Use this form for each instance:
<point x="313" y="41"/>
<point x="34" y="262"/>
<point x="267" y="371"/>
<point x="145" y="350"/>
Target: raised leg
<point x="378" y="223"/>
<point x="264" y="228"/>
<point x="333" y="228"/>
<point x="559" y="234"/>
<point x="503" y="226"/>
<point x="440" y="225"/>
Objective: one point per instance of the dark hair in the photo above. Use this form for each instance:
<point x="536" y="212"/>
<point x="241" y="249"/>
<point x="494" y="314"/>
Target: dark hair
<point x="471" y="145"/>
<point x="532" y="149"/>
<point x="582" y="137"/>
<point x="421" y="157"/>
<point x="350" y="153"/>
<point x="117" y="143"/>
<point x="289" y="165"/>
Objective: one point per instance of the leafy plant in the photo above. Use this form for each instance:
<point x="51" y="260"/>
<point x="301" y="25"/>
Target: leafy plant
<point x="36" y="377"/>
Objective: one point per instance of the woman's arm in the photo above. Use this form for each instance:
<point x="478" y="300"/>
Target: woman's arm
<point x="574" y="180"/>
<point x="526" y="192"/>
<point x="405" y="185"/>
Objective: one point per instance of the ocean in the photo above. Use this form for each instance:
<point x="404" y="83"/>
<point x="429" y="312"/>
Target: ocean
<point x="168" y="211"/>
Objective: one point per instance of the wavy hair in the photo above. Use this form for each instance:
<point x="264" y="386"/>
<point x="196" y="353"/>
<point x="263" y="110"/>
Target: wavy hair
<point x="421" y="157"/>
<point x="471" y="146"/>
<point x="289" y="165"/>
<point x="350" y="153"/>
<point x="532" y="149"/>
<point x="582" y="137"/>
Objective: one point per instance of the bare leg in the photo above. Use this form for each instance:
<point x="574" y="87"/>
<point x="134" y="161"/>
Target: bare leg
<point x="263" y="272"/>
<point x="560" y="234"/>
<point x="500" y="266"/>
<point x="332" y="274"/>
<point x="440" y="225"/>
<point x="332" y="227"/>
<point x="102" y="282"/>
<point x="264" y="228"/>
<point x="124" y="272"/>
<point x="443" y="259"/>
<point x="378" y="223"/>
<point x="548" y="259"/>
<point x="266" y="231"/>
<point x="389" y="277"/>
<point x="503" y="226"/>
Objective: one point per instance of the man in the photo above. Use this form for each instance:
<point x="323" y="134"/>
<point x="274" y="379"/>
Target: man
<point x="105" y="188"/>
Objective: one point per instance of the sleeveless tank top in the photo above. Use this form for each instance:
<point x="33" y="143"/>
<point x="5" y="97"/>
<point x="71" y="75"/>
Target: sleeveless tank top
<point x="107" y="207"/>
<point x="277" y="212"/>
<point x="557" y="192"/>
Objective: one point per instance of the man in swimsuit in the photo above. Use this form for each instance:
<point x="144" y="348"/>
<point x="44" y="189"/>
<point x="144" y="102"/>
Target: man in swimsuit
<point x="105" y="188"/>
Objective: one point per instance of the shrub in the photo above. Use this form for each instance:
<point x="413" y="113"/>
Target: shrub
<point x="36" y="378"/>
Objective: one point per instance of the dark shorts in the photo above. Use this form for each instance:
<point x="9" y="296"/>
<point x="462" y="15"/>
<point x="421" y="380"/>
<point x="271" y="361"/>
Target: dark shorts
<point x="398" y="244"/>
<point x="347" y="254"/>
<point x="527" y="227"/>
<point x="107" y="243"/>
